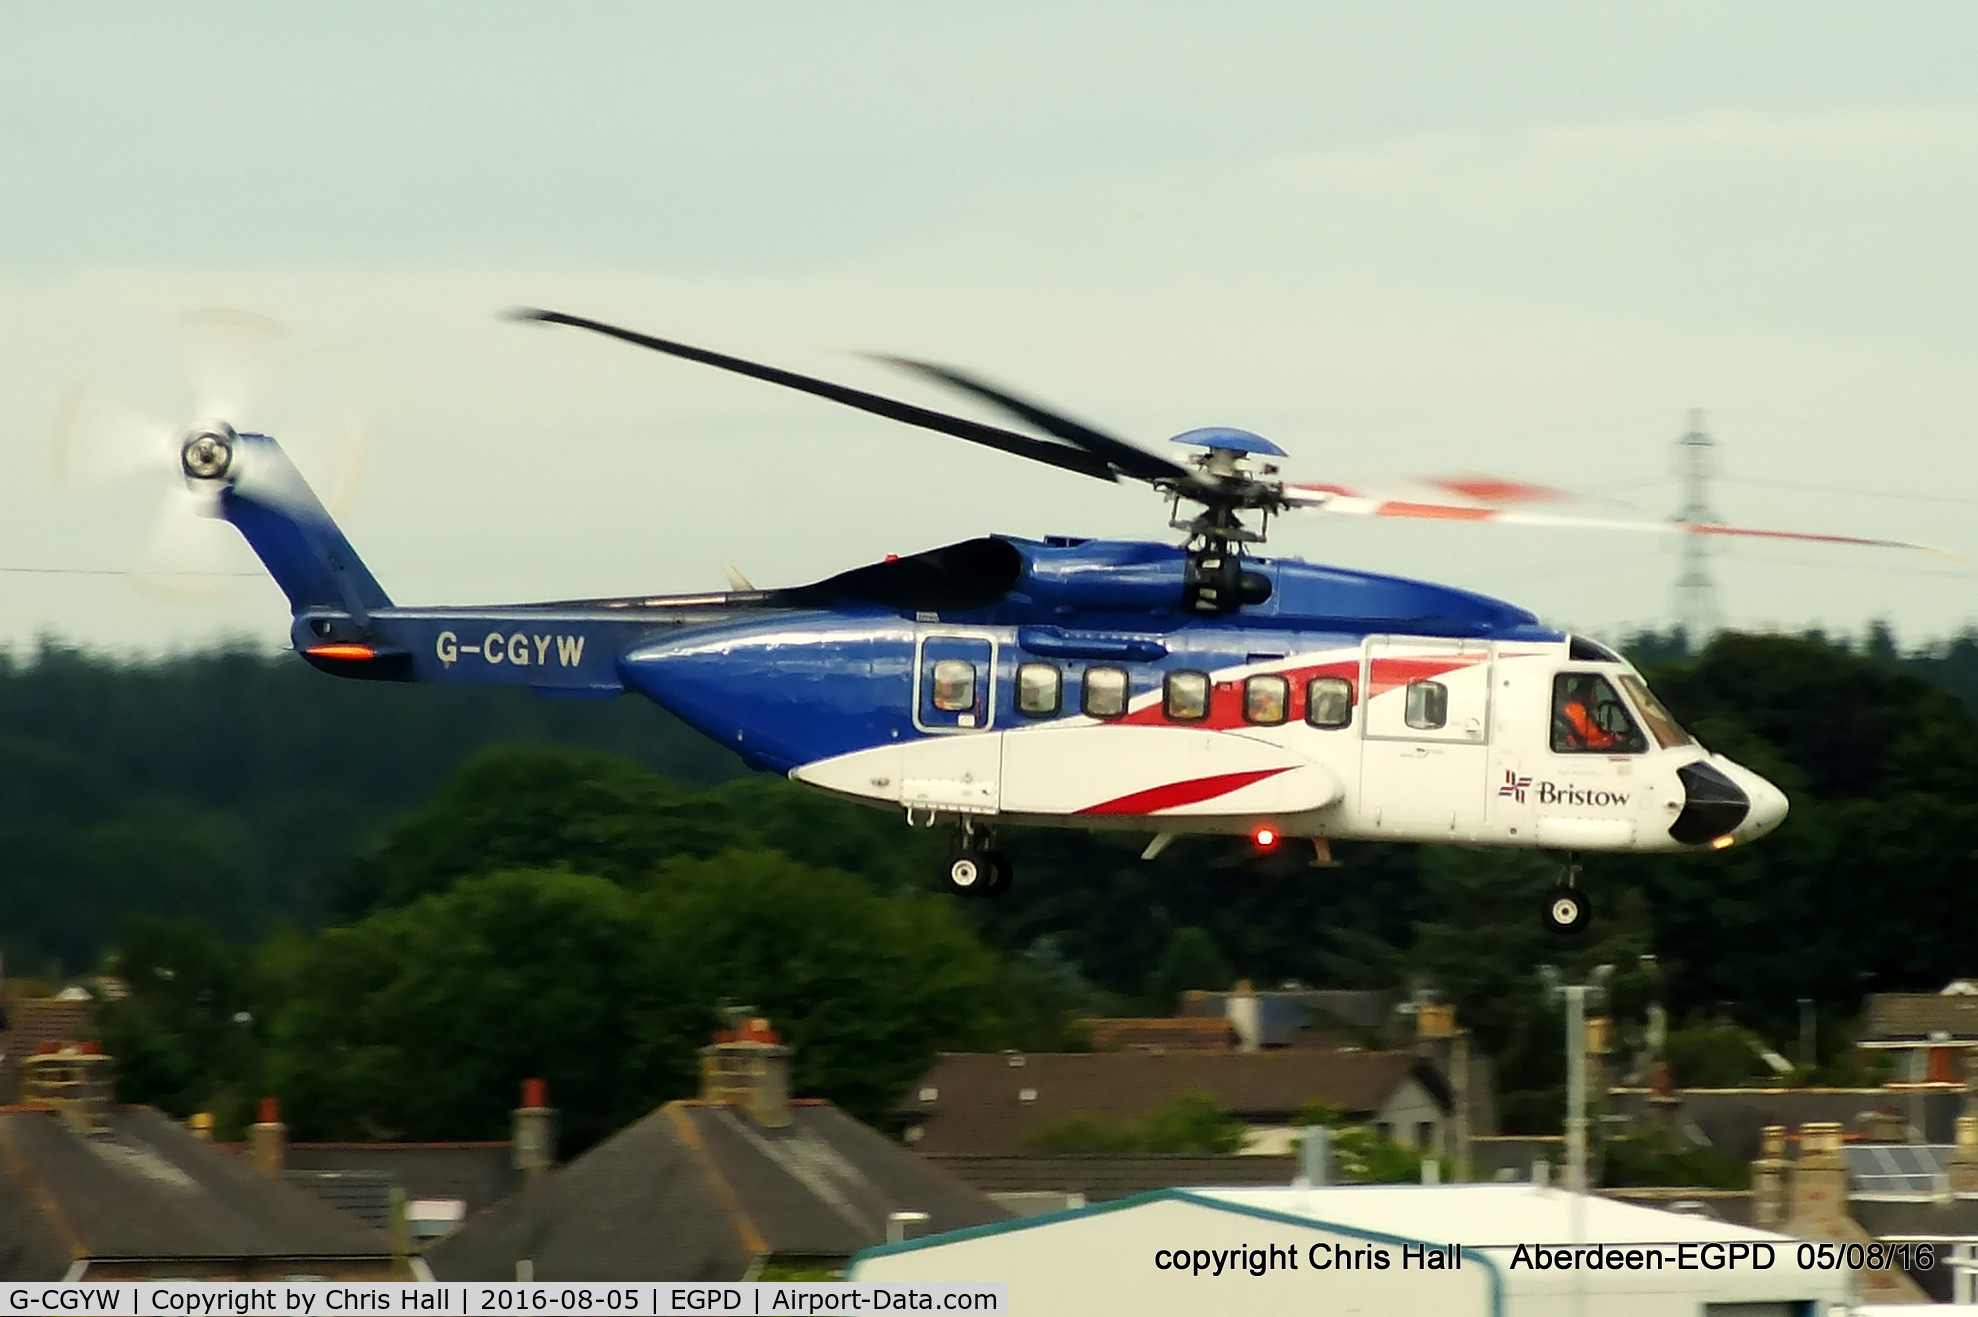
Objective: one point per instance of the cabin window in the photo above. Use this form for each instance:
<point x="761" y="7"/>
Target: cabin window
<point x="1329" y="702"/>
<point x="954" y="685"/>
<point x="1039" y="689"/>
<point x="1105" y="692"/>
<point x="1589" y="718"/>
<point x="1428" y="705"/>
<point x="1186" y="697"/>
<point x="1662" y="725"/>
<point x="1266" y="699"/>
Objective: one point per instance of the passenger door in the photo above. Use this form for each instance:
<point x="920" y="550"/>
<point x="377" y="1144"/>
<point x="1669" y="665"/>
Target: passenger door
<point x="1425" y="751"/>
<point x="957" y="765"/>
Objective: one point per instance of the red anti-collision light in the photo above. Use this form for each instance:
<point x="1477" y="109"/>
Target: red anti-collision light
<point x="341" y="652"/>
<point x="1265" y="838"/>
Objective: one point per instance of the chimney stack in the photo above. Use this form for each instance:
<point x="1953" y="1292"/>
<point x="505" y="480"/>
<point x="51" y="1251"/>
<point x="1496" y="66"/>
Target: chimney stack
<point x="1240" y="1008"/>
<point x="79" y="1082"/>
<point x="267" y="1138"/>
<point x="1820" y="1182"/>
<point x="1964" y="1158"/>
<point x="535" y="1131"/>
<point x="1768" y="1180"/>
<point x="748" y="1067"/>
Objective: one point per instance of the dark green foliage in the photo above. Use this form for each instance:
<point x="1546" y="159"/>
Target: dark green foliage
<point x="188" y="1037"/>
<point x="1192" y="1124"/>
<point x="220" y="786"/>
<point x="865" y="988"/>
<point x="1651" y="1159"/>
<point x="1192" y="962"/>
<point x="1713" y="1054"/>
<point x="421" y="1022"/>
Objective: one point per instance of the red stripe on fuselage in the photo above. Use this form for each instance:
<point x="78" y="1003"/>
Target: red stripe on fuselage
<point x="1394" y="673"/>
<point x="1176" y="794"/>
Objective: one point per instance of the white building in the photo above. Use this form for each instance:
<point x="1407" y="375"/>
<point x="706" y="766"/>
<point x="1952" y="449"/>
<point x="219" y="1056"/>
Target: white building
<point x="1494" y="1250"/>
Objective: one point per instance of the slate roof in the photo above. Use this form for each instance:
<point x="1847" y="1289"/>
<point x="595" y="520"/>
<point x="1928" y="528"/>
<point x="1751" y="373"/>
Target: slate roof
<point x="1913" y="1017"/>
<point x="1175" y="1034"/>
<point x="698" y="1192"/>
<point x="1733" y="1119"/>
<point x="1291" y="1017"/>
<point x="480" y="1174"/>
<point x="979" y="1104"/>
<point x="150" y="1190"/>
<point x="1942" y="1218"/>
<point x="1103" y="1178"/>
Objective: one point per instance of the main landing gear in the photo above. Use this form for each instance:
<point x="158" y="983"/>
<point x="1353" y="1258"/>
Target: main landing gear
<point x="1567" y="909"/>
<point x="973" y="868"/>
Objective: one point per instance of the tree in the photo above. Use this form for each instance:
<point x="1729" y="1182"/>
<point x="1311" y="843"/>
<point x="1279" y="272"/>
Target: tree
<point x="1192" y="961"/>
<point x="420" y="1022"/>
<point x="187" y="1037"/>
<point x="864" y="987"/>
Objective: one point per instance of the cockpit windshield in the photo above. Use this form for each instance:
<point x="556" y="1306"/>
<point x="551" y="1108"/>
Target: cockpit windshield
<point x="1588" y="717"/>
<point x="1662" y="725"/>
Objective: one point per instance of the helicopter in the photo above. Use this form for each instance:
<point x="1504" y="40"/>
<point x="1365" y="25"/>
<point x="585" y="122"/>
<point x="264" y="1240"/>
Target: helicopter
<point x="1171" y="689"/>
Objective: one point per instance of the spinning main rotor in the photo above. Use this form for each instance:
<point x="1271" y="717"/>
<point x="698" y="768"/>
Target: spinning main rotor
<point x="1221" y="479"/>
<point x="1227" y="478"/>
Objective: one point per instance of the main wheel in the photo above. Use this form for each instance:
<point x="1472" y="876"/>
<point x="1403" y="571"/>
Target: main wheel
<point x="1000" y="873"/>
<point x="1567" y="910"/>
<point x="970" y="873"/>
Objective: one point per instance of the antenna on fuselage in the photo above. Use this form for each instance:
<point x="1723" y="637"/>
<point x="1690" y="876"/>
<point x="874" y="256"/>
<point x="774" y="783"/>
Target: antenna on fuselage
<point x="1696" y="588"/>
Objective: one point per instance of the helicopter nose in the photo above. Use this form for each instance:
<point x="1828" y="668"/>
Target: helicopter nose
<point x="1768" y="805"/>
<point x="1725" y="802"/>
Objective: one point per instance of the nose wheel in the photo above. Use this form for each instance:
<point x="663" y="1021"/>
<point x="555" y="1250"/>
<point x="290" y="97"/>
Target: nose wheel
<point x="1567" y="909"/>
<point x="974" y="869"/>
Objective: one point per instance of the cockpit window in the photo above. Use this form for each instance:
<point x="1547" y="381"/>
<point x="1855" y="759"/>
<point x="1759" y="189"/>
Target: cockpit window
<point x="1589" y="718"/>
<point x="1662" y="725"/>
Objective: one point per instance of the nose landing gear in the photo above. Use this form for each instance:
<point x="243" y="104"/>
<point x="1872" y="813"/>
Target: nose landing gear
<point x="1567" y="909"/>
<point x="973" y="868"/>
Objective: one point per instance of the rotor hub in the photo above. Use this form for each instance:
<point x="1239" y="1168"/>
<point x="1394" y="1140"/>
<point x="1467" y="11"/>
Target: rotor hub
<point x="208" y="454"/>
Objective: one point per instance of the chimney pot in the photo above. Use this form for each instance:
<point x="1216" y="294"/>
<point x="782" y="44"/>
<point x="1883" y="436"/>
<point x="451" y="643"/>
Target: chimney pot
<point x="533" y="1144"/>
<point x="267" y="1138"/>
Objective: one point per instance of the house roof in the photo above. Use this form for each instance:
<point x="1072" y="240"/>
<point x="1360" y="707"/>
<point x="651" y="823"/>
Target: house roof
<point x="1918" y="1017"/>
<point x="149" y="1189"/>
<point x="699" y="1191"/>
<point x="1284" y="1014"/>
<point x="1174" y="1033"/>
<point x="478" y="1174"/>
<point x="1733" y="1120"/>
<point x="1105" y="1177"/>
<point x="990" y="1103"/>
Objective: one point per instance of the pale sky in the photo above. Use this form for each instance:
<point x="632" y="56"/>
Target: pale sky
<point x="1399" y="239"/>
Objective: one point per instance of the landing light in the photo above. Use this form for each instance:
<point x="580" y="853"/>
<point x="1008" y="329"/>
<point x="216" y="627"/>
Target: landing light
<point x="1265" y="838"/>
<point x="342" y="652"/>
<point x="1722" y="842"/>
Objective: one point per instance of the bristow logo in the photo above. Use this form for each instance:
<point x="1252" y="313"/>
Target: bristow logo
<point x="1515" y="787"/>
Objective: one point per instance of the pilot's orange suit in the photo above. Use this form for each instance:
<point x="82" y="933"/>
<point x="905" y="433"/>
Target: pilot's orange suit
<point x="1591" y="734"/>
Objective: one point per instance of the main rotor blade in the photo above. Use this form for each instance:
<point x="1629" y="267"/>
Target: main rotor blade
<point x="1130" y="459"/>
<point x="1037" y="450"/>
<point x="1336" y="500"/>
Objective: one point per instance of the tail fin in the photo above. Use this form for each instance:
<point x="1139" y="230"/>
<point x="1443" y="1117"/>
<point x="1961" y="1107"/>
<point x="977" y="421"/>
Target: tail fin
<point x="259" y="490"/>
